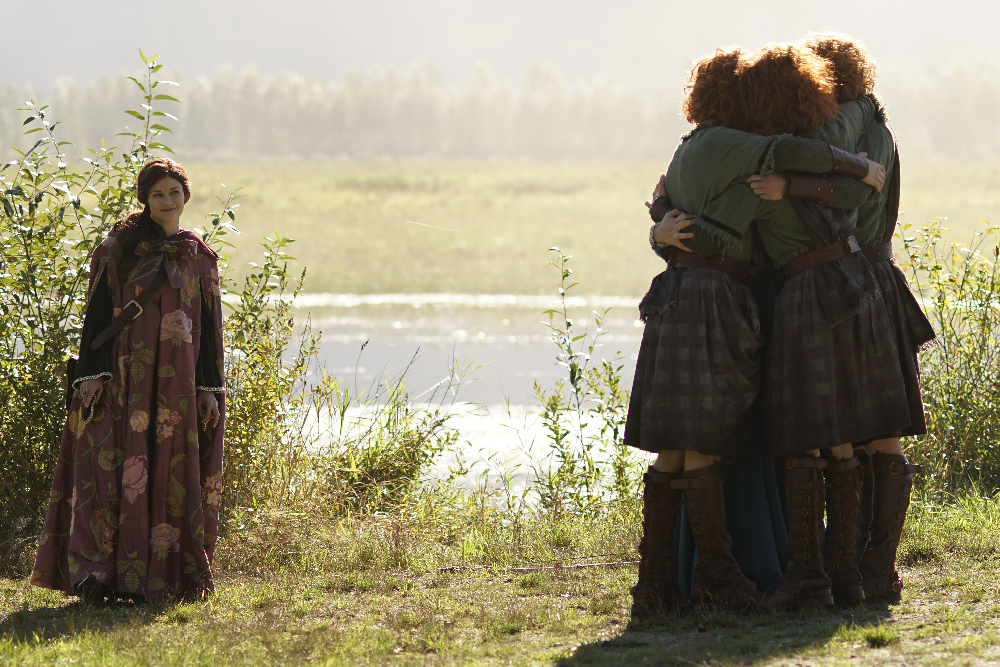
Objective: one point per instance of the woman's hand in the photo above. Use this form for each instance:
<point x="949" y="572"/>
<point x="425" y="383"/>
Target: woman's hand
<point x="876" y="173"/>
<point x="208" y="408"/>
<point x="659" y="191"/>
<point x="771" y="187"/>
<point x="90" y="391"/>
<point x="669" y="230"/>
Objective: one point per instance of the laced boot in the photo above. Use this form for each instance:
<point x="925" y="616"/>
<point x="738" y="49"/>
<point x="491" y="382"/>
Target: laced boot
<point x="893" y="483"/>
<point x="656" y="591"/>
<point x="805" y="579"/>
<point x="719" y="577"/>
<point x="840" y="546"/>
<point x="867" y="499"/>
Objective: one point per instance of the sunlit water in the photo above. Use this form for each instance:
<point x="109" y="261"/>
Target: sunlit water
<point x="502" y="337"/>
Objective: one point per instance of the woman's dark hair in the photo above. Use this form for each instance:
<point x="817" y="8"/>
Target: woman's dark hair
<point x="853" y="70"/>
<point x="788" y="89"/>
<point x="139" y="226"/>
<point x="712" y="94"/>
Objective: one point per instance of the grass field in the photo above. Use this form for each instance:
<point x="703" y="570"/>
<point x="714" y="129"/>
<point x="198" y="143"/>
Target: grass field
<point x="380" y="597"/>
<point x="351" y="220"/>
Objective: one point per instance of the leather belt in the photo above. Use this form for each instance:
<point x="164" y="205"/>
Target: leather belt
<point x="727" y="265"/>
<point x="828" y="253"/>
<point x="878" y="252"/>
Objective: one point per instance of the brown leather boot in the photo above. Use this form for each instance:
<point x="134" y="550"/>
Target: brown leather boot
<point x="656" y="591"/>
<point x="805" y="579"/>
<point x="867" y="500"/>
<point x="893" y="483"/>
<point x="719" y="579"/>
<point x="840" y="544"/>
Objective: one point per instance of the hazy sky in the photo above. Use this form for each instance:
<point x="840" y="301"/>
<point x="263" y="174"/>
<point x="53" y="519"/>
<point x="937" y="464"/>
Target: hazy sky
<point x="642" y="43"/>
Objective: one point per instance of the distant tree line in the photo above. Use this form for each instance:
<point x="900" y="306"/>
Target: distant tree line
<point x="937" y="113"/>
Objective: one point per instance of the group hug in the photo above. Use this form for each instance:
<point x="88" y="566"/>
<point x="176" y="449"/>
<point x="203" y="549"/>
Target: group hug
<point x="778" y="365"/>
<point x="776" y="375"/>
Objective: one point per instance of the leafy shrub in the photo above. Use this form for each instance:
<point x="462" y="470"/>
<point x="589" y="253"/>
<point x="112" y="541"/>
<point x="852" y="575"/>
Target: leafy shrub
<point x="959" y="285"/>
<point x="52" y="217"/>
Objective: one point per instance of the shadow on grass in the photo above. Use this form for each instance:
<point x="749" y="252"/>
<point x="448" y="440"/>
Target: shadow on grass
<point x="710" y="636"/>
<point x="45" y="624"/>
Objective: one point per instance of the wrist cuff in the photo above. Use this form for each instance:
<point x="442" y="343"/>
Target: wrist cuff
<point x="99" y="376"/>
<point x="819" y="188"/>
<point x="848" y="164"/>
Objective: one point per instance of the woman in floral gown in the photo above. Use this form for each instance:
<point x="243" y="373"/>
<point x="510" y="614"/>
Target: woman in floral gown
<point x="134" y="509"/>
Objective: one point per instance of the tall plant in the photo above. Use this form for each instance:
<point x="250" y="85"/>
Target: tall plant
<point x="584" y="416"/>
<point x="51" y="218"/>
<point x="959" y="285"/>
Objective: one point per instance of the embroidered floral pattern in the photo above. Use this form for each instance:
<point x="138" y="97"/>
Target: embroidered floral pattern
<point x="139" y="421"/>
<point x="163" y="540"/>
<point x="211" y="490"/>
<point x="166" y="420"/>
<point x="176" y="327"/>
<point x="134" y="478"/>
<point x="104" y="470"/>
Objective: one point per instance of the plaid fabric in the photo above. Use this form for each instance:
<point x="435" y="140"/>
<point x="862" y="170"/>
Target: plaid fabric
<point x="829" y="385"/>
<point x="698" y="371"/>
<point x="911" y="330"/>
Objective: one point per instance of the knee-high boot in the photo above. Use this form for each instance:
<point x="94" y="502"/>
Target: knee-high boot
<point x="719" y="577"/>
<point x="867" y="502"/>
<point x="656" y="591"/>
<point x="805" y="579"/>
<point x="843" y="508"/>
<point x="893" y="483"/>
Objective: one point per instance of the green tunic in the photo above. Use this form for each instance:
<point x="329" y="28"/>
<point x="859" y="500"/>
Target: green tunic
<point x="870" y="218"/>
<point x="730" y="215"/>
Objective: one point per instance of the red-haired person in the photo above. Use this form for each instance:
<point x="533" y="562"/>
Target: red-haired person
<point x="698" y="371"/>
<point x="883" y="462"/>
<point x="134" y="510"/>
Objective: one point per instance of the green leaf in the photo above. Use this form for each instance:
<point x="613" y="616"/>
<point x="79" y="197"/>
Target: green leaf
<point x="136" y="81"/>
<point x="30" y="118"/>
<point x="161" y="128"/>
<point x="158" y="146"/>
<point x="161" y="96"/>
<point x="175" y="497"/>
<point x="135" y="114"/>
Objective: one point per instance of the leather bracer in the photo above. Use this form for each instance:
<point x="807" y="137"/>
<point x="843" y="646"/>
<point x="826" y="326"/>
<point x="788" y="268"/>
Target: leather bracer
<point x="848" y="164"/>
<point x="819" y="188"/>
<point x="660" y="207"/>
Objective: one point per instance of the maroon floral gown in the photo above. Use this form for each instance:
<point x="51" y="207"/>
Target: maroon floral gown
<point x="138" y="483"/>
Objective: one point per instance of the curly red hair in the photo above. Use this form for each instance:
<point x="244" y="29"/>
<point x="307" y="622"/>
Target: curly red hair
<point x="712" y="93"/>
<point x="853" y="70"/>
<point x="788" y="89"/>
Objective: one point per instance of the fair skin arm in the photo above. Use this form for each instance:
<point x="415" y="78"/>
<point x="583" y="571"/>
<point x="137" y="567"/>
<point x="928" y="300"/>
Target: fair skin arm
<point x="670" y="230"/>
<point x="772" y="186"/>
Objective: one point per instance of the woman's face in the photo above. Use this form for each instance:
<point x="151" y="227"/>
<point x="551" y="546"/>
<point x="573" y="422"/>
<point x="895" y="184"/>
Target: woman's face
<point x="166" y="202"/>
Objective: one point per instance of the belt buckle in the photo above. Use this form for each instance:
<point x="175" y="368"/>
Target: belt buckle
<point x="137" y="305"/>
<point x="851" y="245"/>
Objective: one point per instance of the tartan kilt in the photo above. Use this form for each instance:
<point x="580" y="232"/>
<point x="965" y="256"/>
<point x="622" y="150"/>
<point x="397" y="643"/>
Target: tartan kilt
<point x="911" y="330"/>
<point x="698" y="370"/>
<point x="826" y="385"/>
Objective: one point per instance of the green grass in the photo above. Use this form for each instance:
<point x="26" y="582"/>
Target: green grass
<point x="340" y="607"/>
<point x="351" y="220"/>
